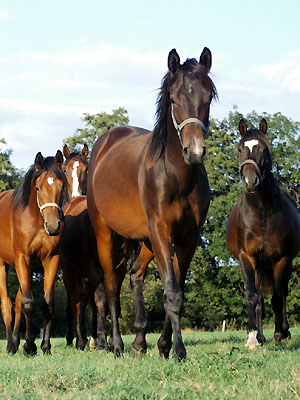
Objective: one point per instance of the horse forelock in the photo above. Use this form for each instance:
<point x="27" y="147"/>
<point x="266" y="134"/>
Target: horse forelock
<point x="191" y="68"/>
<point x="22" y="192"/>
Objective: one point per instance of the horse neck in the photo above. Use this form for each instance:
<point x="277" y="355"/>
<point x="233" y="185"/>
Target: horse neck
<point x="266" y="196"/>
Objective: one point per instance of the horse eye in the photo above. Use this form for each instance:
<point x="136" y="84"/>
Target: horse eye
<point x="37" y="189"/>
<point x="172" y="101"/>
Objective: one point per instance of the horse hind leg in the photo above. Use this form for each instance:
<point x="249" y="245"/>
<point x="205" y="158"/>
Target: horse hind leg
<point x="6" y="308"/>
<point x="137" y="275"/>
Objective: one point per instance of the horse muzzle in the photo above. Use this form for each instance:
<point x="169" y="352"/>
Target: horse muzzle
<point x="52" y="228"/>
<point x="194" y="155"/>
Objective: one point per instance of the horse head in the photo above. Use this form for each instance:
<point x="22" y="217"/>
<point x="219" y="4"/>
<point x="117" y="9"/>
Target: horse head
<point x="190" y="93"/>
<point x="254" y="155"/>
<point x="50" y="185"/>
<point x="76" y="168"/>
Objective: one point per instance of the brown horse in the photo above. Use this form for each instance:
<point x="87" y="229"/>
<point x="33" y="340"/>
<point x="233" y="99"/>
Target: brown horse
<point x="263" y="233"/>
<point x="82" y="273"/>
<point x="152" y="187"/>
<point x="32" y="220"/>
<point x="76" y="169"/>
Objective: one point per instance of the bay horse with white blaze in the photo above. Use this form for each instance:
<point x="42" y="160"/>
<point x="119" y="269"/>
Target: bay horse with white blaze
<point x="263" y="233"/>
<point x="82" y="273"/>
<point x="152" y="187"/>
<point x="31" y="223"/>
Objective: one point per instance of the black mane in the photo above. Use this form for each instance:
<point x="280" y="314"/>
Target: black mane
<point x="22" y="191"/>
<point x="159" y="140"/>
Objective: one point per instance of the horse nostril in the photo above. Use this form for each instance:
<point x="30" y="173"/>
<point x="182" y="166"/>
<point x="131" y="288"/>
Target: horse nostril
<point x="185" y="150"/>
<point x="204" y="152"/>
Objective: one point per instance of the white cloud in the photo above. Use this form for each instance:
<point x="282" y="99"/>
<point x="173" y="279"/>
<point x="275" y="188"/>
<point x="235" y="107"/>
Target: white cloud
<point x="5" y="15"/>
<point x="283" y="76"/>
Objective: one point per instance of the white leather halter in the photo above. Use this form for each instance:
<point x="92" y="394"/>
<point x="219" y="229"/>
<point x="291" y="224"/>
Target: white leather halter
<point x="185" y="122"/>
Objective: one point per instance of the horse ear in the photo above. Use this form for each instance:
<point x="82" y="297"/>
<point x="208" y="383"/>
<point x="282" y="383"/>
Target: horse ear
<point x="205" y="58"/>
<point x="242" y="127"/>
<point x="263" y="126"/>
<point x="85" y="151"/>
<point x="66" y="151"/>
<point x="58" y="158"/>
<point x="173" y="61"/>
<point x="39" y="161"/>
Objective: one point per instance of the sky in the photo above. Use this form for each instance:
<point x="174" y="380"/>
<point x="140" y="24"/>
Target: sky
<point x="61" y="59"/>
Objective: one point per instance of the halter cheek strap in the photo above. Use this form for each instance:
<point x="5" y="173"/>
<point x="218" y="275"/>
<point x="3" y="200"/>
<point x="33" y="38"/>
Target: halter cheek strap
<point x="185" y="122"/>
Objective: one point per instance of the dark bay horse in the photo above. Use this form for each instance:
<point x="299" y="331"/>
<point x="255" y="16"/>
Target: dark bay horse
<point x="82" y="273"/>
<point x="263" y="233"/>
<point x="152" y="187"/>
<point x="76" y="169"/>
<point x="31" y="223"/>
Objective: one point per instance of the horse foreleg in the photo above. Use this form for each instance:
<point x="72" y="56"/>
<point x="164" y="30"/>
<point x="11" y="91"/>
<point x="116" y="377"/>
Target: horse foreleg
<point x="173" y="295"/>
<point x="24" y="277"/>
<point x="252" y="299"/>
<point x="183" y="255"/>
<point x="6" y="308"/>
<point x="50" y="269"/>
<point x="282" y="273"/>
<point x="137" y="275"/>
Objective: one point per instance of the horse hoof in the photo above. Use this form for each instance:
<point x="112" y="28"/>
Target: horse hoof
<point x="29" y="349"/>
<point x="164" y="348"/>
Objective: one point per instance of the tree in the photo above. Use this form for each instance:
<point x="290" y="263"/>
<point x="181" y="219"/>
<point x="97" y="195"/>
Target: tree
<point x="96" y="125"/>
<point x="9" y="175"/>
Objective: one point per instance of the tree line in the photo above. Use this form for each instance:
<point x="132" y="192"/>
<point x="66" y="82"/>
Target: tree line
<point x="214" y="288"/>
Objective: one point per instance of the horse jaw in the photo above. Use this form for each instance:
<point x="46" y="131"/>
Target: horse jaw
<point x="252" y="341"/>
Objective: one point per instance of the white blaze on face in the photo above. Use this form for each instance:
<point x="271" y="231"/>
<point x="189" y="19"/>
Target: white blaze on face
<point x="252" y="342"/>
<point x="250" y="144"/>
<point x="50" y="181"/>
<point x="75" y="185"/>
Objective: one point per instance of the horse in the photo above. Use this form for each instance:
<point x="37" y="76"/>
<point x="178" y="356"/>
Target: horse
<point x="152" y="187"/>
<point x="82" y="273"/>
<point x="263" y="233"/>
<point x="32" y="222"/>
<point x="76" y="169"/>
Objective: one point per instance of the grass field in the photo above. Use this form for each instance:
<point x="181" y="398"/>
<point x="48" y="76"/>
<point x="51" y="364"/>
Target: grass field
<point x="217" y="367"/>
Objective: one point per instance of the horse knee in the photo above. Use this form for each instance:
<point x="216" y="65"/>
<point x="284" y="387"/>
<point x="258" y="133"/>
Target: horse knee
<point x="27" y="304"/>
<point x="173" y="301"/>
<point x="251" y="298"/>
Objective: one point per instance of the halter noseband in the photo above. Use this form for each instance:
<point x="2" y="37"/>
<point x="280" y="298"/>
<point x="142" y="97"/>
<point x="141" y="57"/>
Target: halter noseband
<point x="249" y="161"/>
<point x="185" y="122"/>
<point x="42" y="207"/>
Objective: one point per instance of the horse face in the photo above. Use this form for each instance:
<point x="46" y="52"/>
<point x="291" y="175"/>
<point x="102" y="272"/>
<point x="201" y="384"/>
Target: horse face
<point x="190" y="97"/>
<point x="76" y="174"/>
<point x="76" y="168"/>
<point x="49" y="197"/>
<point x="254" y="155"/>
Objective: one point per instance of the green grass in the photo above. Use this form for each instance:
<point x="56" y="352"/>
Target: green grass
<point x="217" y="367"/>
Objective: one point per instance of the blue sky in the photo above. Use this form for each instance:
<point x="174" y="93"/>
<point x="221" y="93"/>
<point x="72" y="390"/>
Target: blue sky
<point x="60" y="59"/>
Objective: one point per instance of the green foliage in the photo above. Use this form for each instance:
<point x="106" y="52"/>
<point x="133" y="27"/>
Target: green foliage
<point x="96" y="125"/>
<point x="9" y="175"/>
